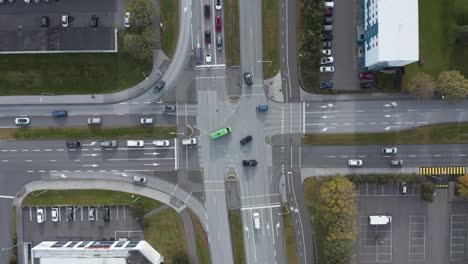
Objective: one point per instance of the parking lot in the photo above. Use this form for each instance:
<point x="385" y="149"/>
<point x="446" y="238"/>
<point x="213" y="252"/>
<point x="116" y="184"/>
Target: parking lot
<point x="387" y="189"/>
<point x="22" y="28"/>
<point x="459" y="238"/>
<point x="375" y="241"/>
<point x="78" y="226"/>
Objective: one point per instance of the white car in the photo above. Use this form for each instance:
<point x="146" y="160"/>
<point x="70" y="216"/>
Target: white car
<point x="162" y="143"/>
<point x="208" y="60"/>
<point x="138" y="179"/>
<point x="65" y="21"/>
<point x="218" y="5"/>
<point x="329" y="4"/>
<point x="127" y="19"/>
<point x="27" y="1"/>
<point x="55" y="214"/>
<point x="94" y="121"/>
<point x="256" y="220"/>
<point x="354" y="163"/>
<point x="147" y="121"/>
<point x="392" y="150"/>
<point x="326" y="52"/>
<point x="40" y="215"/>
<point x="189" y="141"/>
<point x="326" y="60"/>
<point x="22" y="121"/>
<point x="327" y="69"/>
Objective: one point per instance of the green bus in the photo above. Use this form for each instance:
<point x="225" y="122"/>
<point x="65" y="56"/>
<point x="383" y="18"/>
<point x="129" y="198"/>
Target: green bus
<point x="221" y="132"/>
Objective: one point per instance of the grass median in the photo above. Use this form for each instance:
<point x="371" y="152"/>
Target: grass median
<point x="448" y="133"/>
<point x="231" y="33"/>
<point x="289" y="240"/>
<point x="87" y="197"/>
<point x="95" y="133"/>
<point x="170" y="21"/>
<point x="271" y="29"/>
<point x="203" y="248"/>
<point x="237" y="236"/>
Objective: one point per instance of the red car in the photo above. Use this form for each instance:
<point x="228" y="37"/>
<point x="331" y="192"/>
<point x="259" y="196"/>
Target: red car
<point x="218" y="23"/>
<point x="328" y="12"/>
<point x="207" y="36"/>
<point x="366" y="75"/>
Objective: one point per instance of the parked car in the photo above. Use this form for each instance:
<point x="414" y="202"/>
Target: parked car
<point x="139" y="180"/>
<point x="329" y="4"/>
<point x="127" y="19"/>
<point x="45" y="21"/>
<point x="146" y="121"/>
<point x="262" y="108"/>
<point x="94" y="21"/>
<point x="328" y="27"/>
<point x="59" y="113"/>
<point x="326" y="85"/>
<point x="403" y="187"/>
<point x="327" y="36"/>
<point x="207" y="11"/>
<point x="248" y="78"/>
<point x="327" y="20"/>
<point x="106" y="214"/>
<point x="327" y="44"/>
<point x="354" y="163"/>
<point x="65" y="21"/>
<point x="366" y="75"/>
<point x="208" y="36"/>
<point x="326" y="52"/>
<point x="326" y="60"/>
<point x="218" y="23"/>
<point x="249" y="163"/>
<point x="169" y="108"/>
<point x="396" y="163"/>
<point x="69" y="212"/>
<point x="73" y="144"/>
<point x="218" y="5"/>
<point x="328" y="12"/>
<point x="22" y="121"/>
<point x="94" y="121"/>
<point x="327" y="69"/>
<point x="389" y="150"/>
<point x="54" y="214"/>
<point x="162" y="143"/>
<point x="109" y="143"/>
<point x="159" y="86"/>
<point x="246" y="140"/>
<point x="40" y="215"/>
<point x="92" y="213"/>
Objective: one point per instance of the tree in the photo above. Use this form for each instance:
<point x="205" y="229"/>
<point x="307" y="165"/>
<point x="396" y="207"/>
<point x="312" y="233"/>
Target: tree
<point x="462" y="186"/>
<point x="142" y="13"/>
<point x="140" y="45"/>
<point x="180" y="258"/>
<point x="427" y="191"/>
<point x="422" y="86"/>
<point x="452" y="85"/>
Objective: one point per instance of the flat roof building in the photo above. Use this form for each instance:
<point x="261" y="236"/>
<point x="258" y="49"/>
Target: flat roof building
<point x="391" y="33"/>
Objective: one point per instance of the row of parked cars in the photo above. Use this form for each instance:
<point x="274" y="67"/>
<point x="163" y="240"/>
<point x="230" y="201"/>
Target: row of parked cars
<point x="70" y="214"/>
<point x="327" y="61"/>
<point x="387" y="151"/>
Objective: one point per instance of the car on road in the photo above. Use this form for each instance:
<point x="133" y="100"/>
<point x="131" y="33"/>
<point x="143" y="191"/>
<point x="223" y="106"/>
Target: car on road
<point x="208" y="59"/>
<point x="389" y="150"/>
<point x="65" y="21"/>
<point x="246" y="140"/>
<point x="22" y="121"/>
<point x="328" y="12"/>
<point x="326" y="85"/>
<point x="159" y="86"/>
<point x="327" y="44"/>
<point x="207" y="11"/>
<point x="106" y="214"/>
<point x="94" y="121"/>
<point x="354" y="163"/>
<point x="327" y="20"/>
<point x="94" y="21"/>
<point x="147" y="121"/>
<point x="221" y="132"/>
<point x="218" y="23"/>
<point x="92" y="213"/>
<point x="45" y="21"/>
<point x="219" y="42"/>
<point x="248" y="78"/>
<point x="59" y="113"/>
<point x="403" y="187"/>
<point x="73" y="144"/>
<point x="135" y="143"/>
<point x="54" y="214"/>
<point x="162" y="143"/>
<point x="208" y="36"/>
<point x="256" y="220"/>
<point x="189" y="141"/>
<point x="327" y="69"/>
<point x="366" y="75"/>
<point x="249" y="163"/>
<point x="139" y="180"/>
<point x="327" y="36"/>
<point x="261" y="108"/>
<point x="396" y="163"/>
<point x="326" y="60"/>
<point x="169" y="108"/>
<point x="40" y="215"/>
<point x="70" y="213"/>
<point x="127" y="19"/>
<point x="218" y="5"/>
<point x="326" y="52"/>
<point x="109" y="143"/>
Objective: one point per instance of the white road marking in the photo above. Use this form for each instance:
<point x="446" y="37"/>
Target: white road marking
<point x="7" y="197"/>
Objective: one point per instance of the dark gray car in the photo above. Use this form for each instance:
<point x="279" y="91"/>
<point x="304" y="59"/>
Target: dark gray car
<point x="159" y="86"/>
<point x="248" y="78"/>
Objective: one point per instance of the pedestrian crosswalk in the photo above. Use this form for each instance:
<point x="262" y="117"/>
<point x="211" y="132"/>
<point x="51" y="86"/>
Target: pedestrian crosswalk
<point x="448" y="170"/>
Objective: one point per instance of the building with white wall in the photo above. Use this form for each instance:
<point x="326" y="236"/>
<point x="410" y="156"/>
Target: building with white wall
<point x="391" y="33"/>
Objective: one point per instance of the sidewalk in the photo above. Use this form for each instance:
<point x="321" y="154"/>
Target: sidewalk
<point x="273" y="88"/>
<point x="317" y="172"/>
<point x="310" y="97"/>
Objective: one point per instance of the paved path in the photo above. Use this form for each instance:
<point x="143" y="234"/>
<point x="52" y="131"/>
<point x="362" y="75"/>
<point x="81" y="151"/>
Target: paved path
<point x="190" y="235"/>
<point x="156" y="210"/>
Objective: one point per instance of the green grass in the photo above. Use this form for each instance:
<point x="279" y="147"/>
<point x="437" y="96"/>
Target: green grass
<point x="237" y="236"/>
<point x="289" y="240"/>
<point x="203" y="248"/>
<point x="449" y="133"/>
<point x="165" y="232"/>
<point x="91" y="133"/>
<point x="437" y="46"/>
<point x="170" y="20"/>
<point x="84" y="73"/>
<point x="270" y="27"/>
<point x="87" y="197"/>
<point x="231" y="32"/>
<point x="387" y="83"/>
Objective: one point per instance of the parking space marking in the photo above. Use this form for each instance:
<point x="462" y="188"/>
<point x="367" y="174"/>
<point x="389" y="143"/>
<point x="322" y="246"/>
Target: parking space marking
<point x="30" y="214"/>
<point x="117" y="208"/>
<point x="124" y="212"/>
<point x="458" y="239"/>
<point x="417" y="239"/>
<point x="375" y="242"/>
<point x="386" y="189"/>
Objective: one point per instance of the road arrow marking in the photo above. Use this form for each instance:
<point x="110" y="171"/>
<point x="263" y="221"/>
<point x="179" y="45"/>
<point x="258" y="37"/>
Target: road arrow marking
<point x="91" y="165"/>
<point x="92" y="155"/>
<point x="153" y="153"/>
<point x="391" y="115"/>
<point x="151" y="164"/>
<point x="61" y="175"/>
<point x="326" y="128"/>
<point x="327" y="116"/>
<point x="389" y="127"/>
<point x="90" y="144"/>
<point x="123" y="174"/>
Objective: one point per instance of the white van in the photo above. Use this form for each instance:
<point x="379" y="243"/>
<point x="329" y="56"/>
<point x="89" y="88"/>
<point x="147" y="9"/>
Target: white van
<point x="256" y="220"/>
<point x="65" y="21"/>
<point x="135" y="143"/>
<point x="379" y="219"/>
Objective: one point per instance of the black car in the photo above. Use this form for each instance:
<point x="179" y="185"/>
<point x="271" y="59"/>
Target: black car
<point x="246" y="140"/>
<point x="248" y="78"/>
<point x="94" y="21"/>
<point x="207" y="11"/>
<point x="73" y="144"/>
<point x="69" y="213"/>
<point x="366" y="85"/>
<point x="327" y="36"/>
<point x="250" y="163"/>
<point x="208" y="36"/>
<point x="106" y="214"/>
<point x="159" y="86"/>
<point x="327" y="44"/>
<point x="328" y="20"/>
<point x="169" y="108"/>
<point x="45" y="21"/>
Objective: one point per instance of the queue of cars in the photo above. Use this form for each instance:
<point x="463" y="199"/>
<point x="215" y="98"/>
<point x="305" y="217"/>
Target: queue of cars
<point x="218" y="30"/>
<point x="326" y="63"/>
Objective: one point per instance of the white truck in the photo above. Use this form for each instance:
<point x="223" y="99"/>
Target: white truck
<point x="189" y="141"/>
<point x="379" y="219"/>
